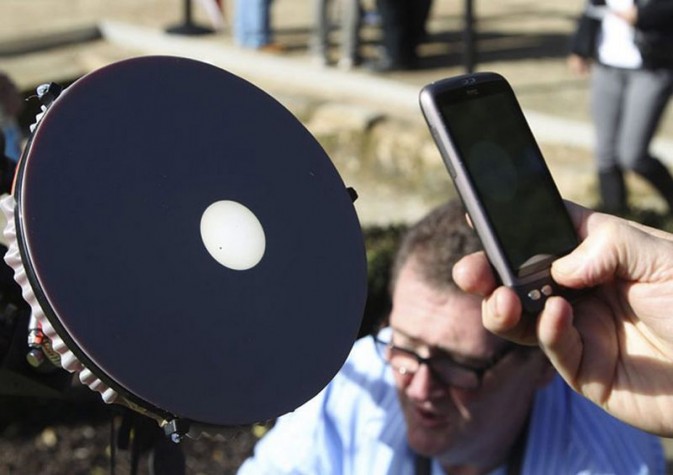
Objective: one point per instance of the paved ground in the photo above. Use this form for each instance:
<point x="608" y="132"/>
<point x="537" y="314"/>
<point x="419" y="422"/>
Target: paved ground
<point x="524" y="40"/>
<point x="58" y="40"/>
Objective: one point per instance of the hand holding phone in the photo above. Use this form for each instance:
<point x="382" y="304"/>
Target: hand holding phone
<point x="503" y="181"/>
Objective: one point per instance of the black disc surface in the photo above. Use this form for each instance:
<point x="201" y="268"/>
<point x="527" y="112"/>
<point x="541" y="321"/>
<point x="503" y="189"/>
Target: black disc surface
<point x="110" y="199"/>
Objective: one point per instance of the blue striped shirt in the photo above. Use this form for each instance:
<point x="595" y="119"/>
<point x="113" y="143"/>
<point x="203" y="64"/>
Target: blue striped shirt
<point x="355" y="427"/>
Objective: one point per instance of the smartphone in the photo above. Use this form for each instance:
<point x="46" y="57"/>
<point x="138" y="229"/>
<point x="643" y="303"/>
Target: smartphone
<point x="503" y="181"/>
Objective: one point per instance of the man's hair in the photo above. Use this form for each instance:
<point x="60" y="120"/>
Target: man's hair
<point x="435" y="244"/>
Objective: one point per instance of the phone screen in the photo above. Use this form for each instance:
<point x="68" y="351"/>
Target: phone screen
<point x="510" y="177"/>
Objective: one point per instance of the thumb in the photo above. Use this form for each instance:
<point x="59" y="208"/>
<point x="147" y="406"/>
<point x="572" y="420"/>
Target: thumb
<point x="593" y="262"/>
<point x="615" y="249"/>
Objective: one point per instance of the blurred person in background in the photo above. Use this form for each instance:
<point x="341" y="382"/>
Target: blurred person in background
<point x="630" y="44"/>
<point x="434" y="393"/>
<point x="403" y="29"/>
<point x="350" y="16"/>
<point x="10" y="108"/>
<point x="252" y="26"/>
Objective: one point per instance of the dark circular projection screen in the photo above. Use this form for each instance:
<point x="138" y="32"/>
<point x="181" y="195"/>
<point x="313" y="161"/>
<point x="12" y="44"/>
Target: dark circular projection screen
<point x="190" y="241"/>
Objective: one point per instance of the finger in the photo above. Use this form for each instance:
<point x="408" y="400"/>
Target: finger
<point x="559" y="339"/>
<point x="501" y="310"/>
<point x="501" y="315"/>
<point x="474" y="275"/>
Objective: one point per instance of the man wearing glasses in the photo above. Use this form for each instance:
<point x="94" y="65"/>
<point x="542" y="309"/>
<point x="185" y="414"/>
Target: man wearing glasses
<point x="435" y="393"/>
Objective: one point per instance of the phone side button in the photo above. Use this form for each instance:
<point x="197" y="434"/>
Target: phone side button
<point x="438" y="141"/>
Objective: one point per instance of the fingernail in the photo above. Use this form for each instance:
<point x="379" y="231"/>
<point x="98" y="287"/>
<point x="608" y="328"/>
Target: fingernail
<point x="496" y="305"/>
<point x="565" y="265"/>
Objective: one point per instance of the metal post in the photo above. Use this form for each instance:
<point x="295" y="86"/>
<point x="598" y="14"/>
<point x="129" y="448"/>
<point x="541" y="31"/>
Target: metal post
<point x="469" y="42"/>
<point x="187" y="27"/>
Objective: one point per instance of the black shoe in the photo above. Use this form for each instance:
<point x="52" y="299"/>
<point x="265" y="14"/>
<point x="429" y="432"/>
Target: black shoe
<point x="612" y="191"/>
<point x="348" y="63"/>
<point x="386" y="65"/>
<point x="659" y="177"/>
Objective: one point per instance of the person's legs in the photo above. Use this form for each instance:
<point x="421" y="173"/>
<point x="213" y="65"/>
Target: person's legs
<point x="607" y="90"/>
<point x="265" y="9"/>
<point x="320" y="38"/>
<point x="252" y="25"/>
<point x="612" y="189"/>
<point x="392" y="25"/>
<point x="418" y="14"/>
<point x="351" y="15"/>
<point x="647" y="94"/>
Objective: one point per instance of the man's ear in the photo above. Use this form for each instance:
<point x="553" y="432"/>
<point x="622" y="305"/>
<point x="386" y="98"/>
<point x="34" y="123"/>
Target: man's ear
<point x="469" y="220"/>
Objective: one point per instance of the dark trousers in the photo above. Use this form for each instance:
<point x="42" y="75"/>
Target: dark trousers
<point x="627" y="105"/>
<point x="403" y="24"/>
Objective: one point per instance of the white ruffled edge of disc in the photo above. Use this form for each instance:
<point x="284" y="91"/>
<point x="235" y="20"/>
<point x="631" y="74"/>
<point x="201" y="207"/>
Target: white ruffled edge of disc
<point x="68" y="359"/>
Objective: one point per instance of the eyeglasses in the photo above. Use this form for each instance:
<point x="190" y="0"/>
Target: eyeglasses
<point x="443" y="367"/>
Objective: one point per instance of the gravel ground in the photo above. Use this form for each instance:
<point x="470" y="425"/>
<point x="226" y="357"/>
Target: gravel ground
<point x="52" y="437"/>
